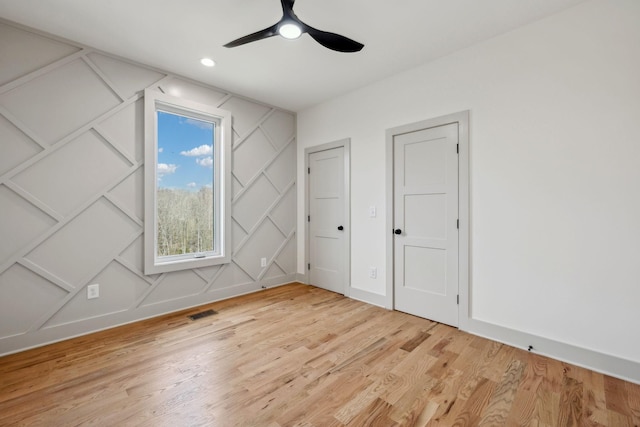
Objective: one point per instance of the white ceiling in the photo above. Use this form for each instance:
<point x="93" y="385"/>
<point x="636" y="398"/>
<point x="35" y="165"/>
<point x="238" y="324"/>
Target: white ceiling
<point x="174" y="35"/>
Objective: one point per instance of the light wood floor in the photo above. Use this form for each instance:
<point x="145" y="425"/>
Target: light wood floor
<point x="298" y="355"/>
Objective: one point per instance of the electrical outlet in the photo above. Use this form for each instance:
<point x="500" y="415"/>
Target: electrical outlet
<point x="93" y="291"/>
<point x="372" y="211"/>
<point x="263" y="262"/>
<point x="373" y="272"/>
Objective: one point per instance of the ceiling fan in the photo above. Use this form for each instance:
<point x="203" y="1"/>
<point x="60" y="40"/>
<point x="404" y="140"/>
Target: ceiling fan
<point x="291" y="27"/>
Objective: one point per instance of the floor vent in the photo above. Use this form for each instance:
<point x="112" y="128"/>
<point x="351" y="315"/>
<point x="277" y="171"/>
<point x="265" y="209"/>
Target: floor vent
<point x="202" y="314"/>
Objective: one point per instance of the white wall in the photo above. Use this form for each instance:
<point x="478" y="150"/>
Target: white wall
<point x="554" y="170"/>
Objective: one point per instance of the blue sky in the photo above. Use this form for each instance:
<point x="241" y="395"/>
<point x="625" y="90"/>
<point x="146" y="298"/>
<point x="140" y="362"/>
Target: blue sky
<point x="185" y="152"/>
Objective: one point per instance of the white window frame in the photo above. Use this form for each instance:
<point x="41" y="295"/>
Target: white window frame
<point x="155" y="101"/>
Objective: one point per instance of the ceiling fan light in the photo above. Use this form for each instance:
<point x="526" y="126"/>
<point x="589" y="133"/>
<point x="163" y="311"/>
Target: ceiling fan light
<point x="290" y="31"/>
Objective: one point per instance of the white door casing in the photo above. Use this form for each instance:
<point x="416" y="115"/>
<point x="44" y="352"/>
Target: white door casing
<point x="424" y="180"/>
<point x="327" y="216"/>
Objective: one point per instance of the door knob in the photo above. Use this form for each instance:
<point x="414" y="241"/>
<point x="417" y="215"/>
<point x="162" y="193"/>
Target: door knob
<point x="397" y="231"/>
<point x="340" y="228"/>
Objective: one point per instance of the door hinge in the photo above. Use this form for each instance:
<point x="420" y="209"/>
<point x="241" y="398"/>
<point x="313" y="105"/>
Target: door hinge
<point x="308" y="266"/>
<point x="457" y="223"/>
<point x="308" y="218"/>
<point x="458" y="299"/>
<point x="308" y="170"/>
<point x="457" y="148"/>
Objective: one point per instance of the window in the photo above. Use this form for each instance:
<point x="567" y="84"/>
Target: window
<point x="187" y="184"/>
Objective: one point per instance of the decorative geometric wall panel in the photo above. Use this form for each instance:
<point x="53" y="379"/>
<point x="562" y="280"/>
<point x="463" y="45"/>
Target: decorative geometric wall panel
<point x="126" y="77"/>
<point x="286" y="259"/>
<point x="87" y="183"/>
<point x="284" y="214"/>
<point x="134" y="254"/>
<point x="246" y="114"/>
<point x="125" y="130"/>
<point x="282" y="171"/>
<point x="24" y="298"/>
<point x="194" y="92"/>
<point x="119" y="289"/>
<point x="250" y="158"/>
<point x="176" y="285"/>
<point x="127" y="193"/>
<point x="79" y="249"/>
<point x="236" y="187"/>
<point x="262" y="244"/>
<point x="280" y="126"/>
<point x="68" y="177"/>
<point x="210" y="272"/>
<point x="252" y="204"/>
<point x="238" y="234"/>
<point x="273" y="271"/>
<point x="38" y="105"/>
<point x="21" y="223"/>
<point x="24" y="52"/>
<point x="231" y="275"/>
<point x="16" y="146"/>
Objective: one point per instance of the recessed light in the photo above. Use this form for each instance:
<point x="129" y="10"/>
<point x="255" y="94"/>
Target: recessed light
<point x="207" y="62"/>
<point x="290" y="31"/>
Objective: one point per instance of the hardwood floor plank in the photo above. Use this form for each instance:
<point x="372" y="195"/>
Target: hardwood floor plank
<point x="619" y="420"/>
<point x="616" y="394"/>
<point x="443" y="394"/>
<point x="570" y="403"/>
<point x="633" y="394"/>
<point x="376" y="414"/>
<point x="410" y="373"/>
<point x="409" y="405"/>
<point x="361" y="401"/>
<point x="497" y="411"/>
<point x="523" y="410"/>
<point x="469" y="414"/>
<point x="411" y="345"/>
<point x="594" y="409"/>
<point x="300" y="356"/>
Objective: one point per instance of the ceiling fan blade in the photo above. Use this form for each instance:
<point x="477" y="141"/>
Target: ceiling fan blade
<point x="329" y="40"/>
<point x="258" y="35"/>
<point x="333" y="41"/>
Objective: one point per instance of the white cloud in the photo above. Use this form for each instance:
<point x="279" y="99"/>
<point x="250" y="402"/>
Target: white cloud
<point x="206" y="162"/>
<point x="191" y="185"/>
<point x="203" y="150"/>
<point x="166" y="169"/>
<point x="160" y="150"/>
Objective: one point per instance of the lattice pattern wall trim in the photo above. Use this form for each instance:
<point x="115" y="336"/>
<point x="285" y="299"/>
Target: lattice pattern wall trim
<point x="71" y="194"/>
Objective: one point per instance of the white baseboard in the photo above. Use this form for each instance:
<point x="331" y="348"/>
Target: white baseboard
<point x="607" y="364"/>
<point x="368" y="297"/>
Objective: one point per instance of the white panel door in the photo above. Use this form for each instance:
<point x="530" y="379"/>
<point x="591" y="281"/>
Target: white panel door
<point x="425" y="219"/>
<point x="326" y="219"/>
